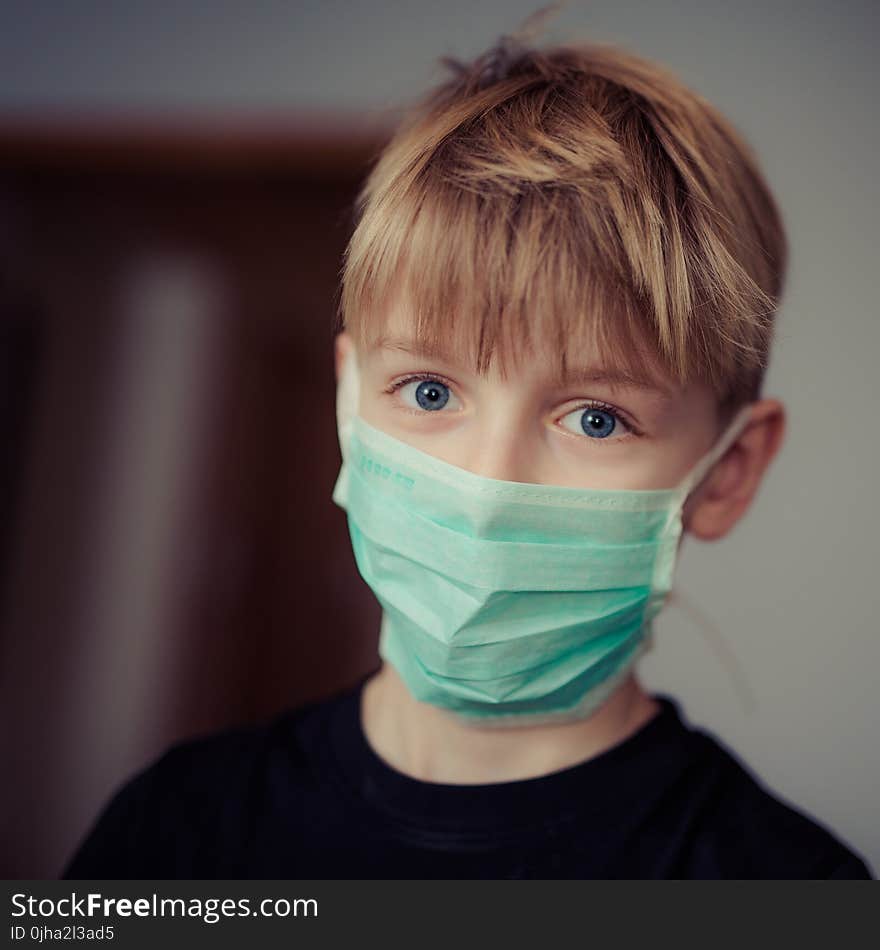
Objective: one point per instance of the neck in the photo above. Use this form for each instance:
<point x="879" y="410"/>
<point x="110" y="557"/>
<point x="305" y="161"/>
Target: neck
<point x="427" y="743"/>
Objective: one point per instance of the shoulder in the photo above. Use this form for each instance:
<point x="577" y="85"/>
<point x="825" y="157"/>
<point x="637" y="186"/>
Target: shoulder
<point x="188" y="812"/>
<point x="744" y="829"/>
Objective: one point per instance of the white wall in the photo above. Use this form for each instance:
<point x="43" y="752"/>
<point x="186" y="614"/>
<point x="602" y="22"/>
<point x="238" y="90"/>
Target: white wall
<point x="792" y="594"/>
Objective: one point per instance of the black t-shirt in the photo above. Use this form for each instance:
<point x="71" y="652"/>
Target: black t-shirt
<point x="306" y="797"/>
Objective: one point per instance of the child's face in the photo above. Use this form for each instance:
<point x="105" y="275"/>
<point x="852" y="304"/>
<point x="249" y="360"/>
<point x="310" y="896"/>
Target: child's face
<point x="533" y="427"/>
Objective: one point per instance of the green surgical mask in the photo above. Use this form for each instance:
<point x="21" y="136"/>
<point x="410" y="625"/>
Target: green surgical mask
<point x="506" y="603"/>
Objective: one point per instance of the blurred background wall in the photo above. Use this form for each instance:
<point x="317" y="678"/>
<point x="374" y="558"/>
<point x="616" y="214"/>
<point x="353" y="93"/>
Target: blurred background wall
<point x="176" y="183"/>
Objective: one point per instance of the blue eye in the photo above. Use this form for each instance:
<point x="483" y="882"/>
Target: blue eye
<point x="429" y="394"/>
<point x="598" y="423"/>
<point x="594" y="422"/>
<point x="432" y="395"/>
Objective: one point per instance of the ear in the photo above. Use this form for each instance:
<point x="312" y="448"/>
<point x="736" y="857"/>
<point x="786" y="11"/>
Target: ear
<point x="726" y="494"/>
<point x="342" y="347"/>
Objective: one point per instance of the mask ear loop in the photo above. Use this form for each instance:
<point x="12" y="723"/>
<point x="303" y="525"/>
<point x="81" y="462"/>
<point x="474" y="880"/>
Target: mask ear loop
<point x="707" y="627"/>
<point x="715" y="453"/>
<point x="716" y="641"/>
<point x="347" y="398"/>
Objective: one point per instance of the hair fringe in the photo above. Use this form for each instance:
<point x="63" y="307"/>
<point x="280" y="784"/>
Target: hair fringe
<point x="568" y="198"/>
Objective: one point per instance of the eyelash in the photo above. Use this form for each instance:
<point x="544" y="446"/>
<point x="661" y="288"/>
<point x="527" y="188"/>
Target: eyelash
<point x="589" y="404"/>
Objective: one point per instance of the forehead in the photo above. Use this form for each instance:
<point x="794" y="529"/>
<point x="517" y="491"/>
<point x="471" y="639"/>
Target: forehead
<point x="562" y="355"/>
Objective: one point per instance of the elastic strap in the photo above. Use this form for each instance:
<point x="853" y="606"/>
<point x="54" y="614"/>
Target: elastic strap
<point x="723" y="443"/>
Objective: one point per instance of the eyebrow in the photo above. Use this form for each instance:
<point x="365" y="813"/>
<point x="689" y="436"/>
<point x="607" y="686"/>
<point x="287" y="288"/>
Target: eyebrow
<point x="611" y="377"/>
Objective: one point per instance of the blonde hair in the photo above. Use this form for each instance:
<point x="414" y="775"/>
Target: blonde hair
<point x="578" y="198"/>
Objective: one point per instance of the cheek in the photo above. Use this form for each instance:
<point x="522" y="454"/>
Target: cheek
<point x="668" y="468"/>
<point x="371" y="405"/>
<point x="634" y="465"/>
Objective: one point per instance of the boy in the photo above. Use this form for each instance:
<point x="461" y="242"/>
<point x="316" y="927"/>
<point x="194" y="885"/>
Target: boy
<point x="557" y="309"/>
